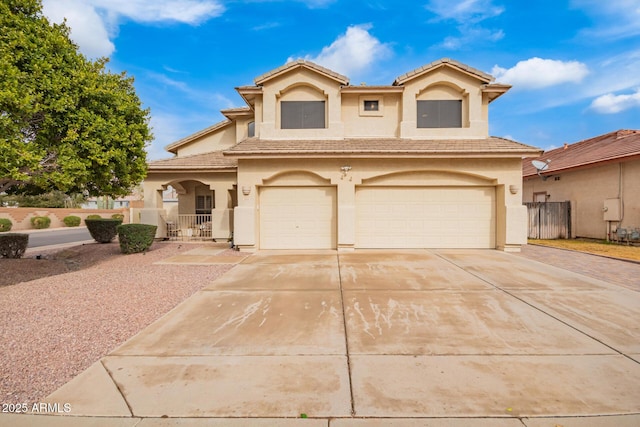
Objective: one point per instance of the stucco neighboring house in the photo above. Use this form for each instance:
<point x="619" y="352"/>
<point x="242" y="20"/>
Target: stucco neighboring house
<point x="600" y="176"/>
<point x="313" y="162"/>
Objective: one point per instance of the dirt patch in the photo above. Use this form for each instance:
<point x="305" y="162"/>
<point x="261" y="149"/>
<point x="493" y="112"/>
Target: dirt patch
<point x="36" y="265"/>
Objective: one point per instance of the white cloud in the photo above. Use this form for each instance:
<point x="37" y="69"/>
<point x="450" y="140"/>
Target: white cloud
<point x="611" y="104"/>
<point x="468" y="14"/>
<point x="464" y="11"/>
<point x="536" y="73"/>
<point x="472" y="34"/>
<point x="184" y="11"/>
<point x="352" y="52"/>
<point x="88" y="30"/>
<point x="94" y="23"/>
<point x="615" y="19"/>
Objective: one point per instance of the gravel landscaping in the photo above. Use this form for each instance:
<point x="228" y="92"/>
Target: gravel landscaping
<point x="66" y="310"/>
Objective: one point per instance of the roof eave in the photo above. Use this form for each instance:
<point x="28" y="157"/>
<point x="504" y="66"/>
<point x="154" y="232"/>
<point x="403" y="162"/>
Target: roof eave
<point x="444" y="62"/>
<point x="235" y="113"/>
<point x="249" y="94"/>
<point x="183" y="169"/>
<point x="378" y="154"/>
<point x="372" y="89"/>
<point x="495" y="91"/>
<point x="300" y="63"/>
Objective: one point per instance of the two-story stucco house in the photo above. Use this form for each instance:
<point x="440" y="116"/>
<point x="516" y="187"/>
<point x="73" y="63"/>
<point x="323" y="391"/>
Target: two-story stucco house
<point x="313" y="162"/>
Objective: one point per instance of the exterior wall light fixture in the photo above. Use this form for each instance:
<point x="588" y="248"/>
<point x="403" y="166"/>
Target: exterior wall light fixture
<point x="246" y="190"/>
<point x="345" y="169"/>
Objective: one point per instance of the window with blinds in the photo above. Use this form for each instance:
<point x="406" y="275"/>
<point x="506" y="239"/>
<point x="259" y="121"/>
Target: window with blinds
<point x="440" y="114"/>
<point x="302" y="115"/>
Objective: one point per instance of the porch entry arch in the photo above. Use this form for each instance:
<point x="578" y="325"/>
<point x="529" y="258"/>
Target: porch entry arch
<point x="426" y="209"/>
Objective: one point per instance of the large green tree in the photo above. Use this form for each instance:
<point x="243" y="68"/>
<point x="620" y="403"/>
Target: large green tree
<point x="66" y="123"/>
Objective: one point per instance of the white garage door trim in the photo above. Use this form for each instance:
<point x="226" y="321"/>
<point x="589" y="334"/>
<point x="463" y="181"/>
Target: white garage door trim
<point x="298" y="217"/>
<point x="425" y="217"/>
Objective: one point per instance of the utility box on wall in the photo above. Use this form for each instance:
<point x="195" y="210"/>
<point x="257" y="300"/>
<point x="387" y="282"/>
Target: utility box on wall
<point x="611" y="210"/>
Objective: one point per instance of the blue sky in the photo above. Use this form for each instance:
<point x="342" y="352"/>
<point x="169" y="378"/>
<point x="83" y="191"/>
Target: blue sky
<point x="574" y="64"/>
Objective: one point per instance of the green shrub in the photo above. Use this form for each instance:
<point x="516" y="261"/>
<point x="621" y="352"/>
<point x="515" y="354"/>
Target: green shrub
<point x="40" y="222"/>
<point x="13" y="245"/>
<point x="136" y="238"/>
<point x="103" y="230"/>
<point x="72" y="221"/>
<point x="93" y="216"/>
<point x="5" y="224"/>
<point x="118" y="216"/>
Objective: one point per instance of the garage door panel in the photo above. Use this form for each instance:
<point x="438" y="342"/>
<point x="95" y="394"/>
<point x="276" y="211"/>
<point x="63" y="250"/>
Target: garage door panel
<point x="425" y="217"/>
<point x="298" y="218"/>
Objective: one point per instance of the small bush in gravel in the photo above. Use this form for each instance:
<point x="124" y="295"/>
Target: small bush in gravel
<point x="5" y="224"/>
<point x="136" y="238"/>
<point x="103" y="230"/>
<point x="118" y="216"/>
<point x="93" y="216"/>
<point x="13" y="245"/>
<point x="40" y="222"/>
<point x="72" y="221"/>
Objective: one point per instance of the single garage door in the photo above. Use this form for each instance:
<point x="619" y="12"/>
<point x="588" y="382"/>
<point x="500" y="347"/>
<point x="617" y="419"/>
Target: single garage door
<point x="425" y="217"/>
<point x="298" y="218"/>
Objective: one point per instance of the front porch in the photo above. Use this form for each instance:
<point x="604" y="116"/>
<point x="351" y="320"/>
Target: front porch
<point x="186" y="227"/>
<point x="201" y="207"/>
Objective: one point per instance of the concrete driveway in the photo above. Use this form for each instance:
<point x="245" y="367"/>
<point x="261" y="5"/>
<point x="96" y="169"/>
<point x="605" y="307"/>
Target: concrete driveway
<point x="403" y="338"/>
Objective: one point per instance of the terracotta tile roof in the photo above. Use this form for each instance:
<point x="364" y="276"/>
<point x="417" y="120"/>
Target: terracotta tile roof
<point x="609" y="147"/>
<point x="214" y="160"/>
<point x="440" y="62"/>
<point x="301" y="63"/>
<point x="382" y="147"/>
<point x="173" y="147"/>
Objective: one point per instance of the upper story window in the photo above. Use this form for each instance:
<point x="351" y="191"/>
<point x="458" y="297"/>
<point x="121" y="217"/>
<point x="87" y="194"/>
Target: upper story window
<point x="302" y="115"/>
<point x="251" y="129"/>
<point x="440" y="114"/>
<point x="371" y="105"/>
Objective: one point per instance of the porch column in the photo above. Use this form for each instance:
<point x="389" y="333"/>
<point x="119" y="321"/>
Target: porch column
<point x="153" y="212"/>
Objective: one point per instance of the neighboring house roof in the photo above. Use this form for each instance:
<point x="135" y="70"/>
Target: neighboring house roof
<point x="301" y="63"/>
<point x="213" y="161"/>
<point x="615" y="146"/>
<point x="173" y="147"/>
<point x="492" y="146"/>
<point x="487" y="78"/>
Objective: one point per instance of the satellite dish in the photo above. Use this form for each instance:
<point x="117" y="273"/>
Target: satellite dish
<point x="541" y="167"/>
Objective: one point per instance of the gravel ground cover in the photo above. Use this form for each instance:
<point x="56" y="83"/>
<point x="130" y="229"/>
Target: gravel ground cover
<point x="63" y="312"/>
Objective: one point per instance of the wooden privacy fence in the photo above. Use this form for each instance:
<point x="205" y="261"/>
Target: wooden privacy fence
<point x="549" y="220"/>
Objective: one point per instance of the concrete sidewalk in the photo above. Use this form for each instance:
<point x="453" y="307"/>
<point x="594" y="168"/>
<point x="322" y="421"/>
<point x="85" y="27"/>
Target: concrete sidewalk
<point x="372" y="338"/>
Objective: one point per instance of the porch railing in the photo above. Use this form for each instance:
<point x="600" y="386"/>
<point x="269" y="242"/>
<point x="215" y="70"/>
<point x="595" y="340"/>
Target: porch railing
<point x="190" y="227"/>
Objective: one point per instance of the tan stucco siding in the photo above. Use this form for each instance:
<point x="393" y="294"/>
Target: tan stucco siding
<point x="432" y="86"/>
<point x="498" y="173"/>
<point x="300" y="85"/>
<point x="587" y="189"/>
<point x="383" y="125"/>
<point x="220" y="140"/>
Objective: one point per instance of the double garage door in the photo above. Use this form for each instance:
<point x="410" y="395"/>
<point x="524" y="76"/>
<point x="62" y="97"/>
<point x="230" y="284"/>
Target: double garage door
<point x="386" y="217"/>
<point x="425" y="217"/>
